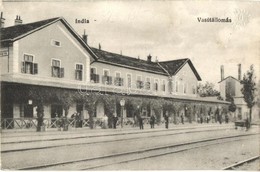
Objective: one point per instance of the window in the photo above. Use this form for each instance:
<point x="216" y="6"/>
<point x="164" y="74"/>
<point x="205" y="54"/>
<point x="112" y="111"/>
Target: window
<point x="106" y="79"/>
<point x="26" y="111"/>
<point x="118" y="80"/>
<point x="148" y="83"/>
<point x="163" y="85"/>
<point x="129" y="80"/>
<point x="156" y="81"/>
<point x="79" y="72"/>
<point x="139" y="82"/>
<point x="57" y="71"/>
<point x="118" y="74"/>
<point x="93" y="70"/>
<point x="94" y="77"/>
<point x="56" y="43"/>
<point x="28" y="66"/>
<point x="106" y="72"/>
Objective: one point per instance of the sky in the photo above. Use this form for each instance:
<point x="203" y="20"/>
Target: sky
<point x="167" y="30"/>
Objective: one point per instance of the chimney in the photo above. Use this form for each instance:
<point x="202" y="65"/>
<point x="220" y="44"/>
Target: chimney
<point x="239" y="72"/>
<point x="222" y="72"/>
<point x="99" y="46"/>
<point x="18" y="21"/>
<point x="2" y="21"/>
<point x="149" y="58"/>
<point x="156" y="59"/>
<point x="85" y="37"/>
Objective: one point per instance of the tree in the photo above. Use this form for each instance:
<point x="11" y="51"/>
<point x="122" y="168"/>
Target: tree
<point x="156" y="105"/>
<point x="207" y="90"/>
<point x="248" y="89"/>
<point x="232" y="107"/>
<point x="110" y="105"/>
<point x="258" y="95"/>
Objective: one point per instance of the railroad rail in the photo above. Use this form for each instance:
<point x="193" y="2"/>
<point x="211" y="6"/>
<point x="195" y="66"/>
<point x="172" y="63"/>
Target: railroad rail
<point x="240" y="163"/>
<point x="123" y="157"/>
<point x="104" y="141"/>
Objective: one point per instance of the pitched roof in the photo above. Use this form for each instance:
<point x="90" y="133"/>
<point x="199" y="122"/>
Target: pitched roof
<point x="174" y="66"/>
<point x="13" y="32"/>
<point x="118" y="59"/>
<point x="17" y="32"/>
<point x="229" y="77"/>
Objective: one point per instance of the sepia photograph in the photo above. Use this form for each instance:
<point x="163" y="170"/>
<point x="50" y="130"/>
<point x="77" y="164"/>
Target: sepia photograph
<point x="129" y="85"/>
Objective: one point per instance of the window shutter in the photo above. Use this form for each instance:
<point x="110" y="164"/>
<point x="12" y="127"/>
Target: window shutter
<point x="61" y="72"/>
<point x="122" y="81"/>
<point x="97" y="78"/>
<point x="23" y="67"/>
<point x="35" y="68"/>
<point x="80" y="75"/>
<point x="110" y="80"/>
<point x="52" y="71"/>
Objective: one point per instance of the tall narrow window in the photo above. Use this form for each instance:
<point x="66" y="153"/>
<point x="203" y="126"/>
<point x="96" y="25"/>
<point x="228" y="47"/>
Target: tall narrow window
<point x="94" y="77"/>
<point x="106" y="79"/>
<point x="28" y="66"/>
<point x="139" y="82"/>
<point x="129" y="80"/>
<point x="79" y="72"/>
<point x="106" y="73"/>
<point x="148" y="83"/>
<point x="93" y="71"/>
<point x="163" y="85"/>
<point x="156" y="81"/>
<point x="57" y="71"/>
<point x="118" y="80"/>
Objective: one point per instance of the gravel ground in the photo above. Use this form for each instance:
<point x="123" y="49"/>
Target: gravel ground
<point x="39" y="157"/>
<point x="213" y="157"/>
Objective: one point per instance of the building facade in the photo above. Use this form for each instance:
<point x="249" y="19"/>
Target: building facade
<point x="230" y="88"/>
<point x="48" y="62"/>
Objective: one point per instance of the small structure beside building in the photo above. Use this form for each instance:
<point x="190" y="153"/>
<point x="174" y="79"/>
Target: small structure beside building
<point x="230" y="88"/>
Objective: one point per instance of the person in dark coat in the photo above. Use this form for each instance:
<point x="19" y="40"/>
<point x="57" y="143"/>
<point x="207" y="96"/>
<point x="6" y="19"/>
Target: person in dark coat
<point x="182" y="118"/>
<point x="77" y="118"/>
<point x="152" y="121"/>
<point x="226" y="118"/>
<point x="141" y="124"/>
<point x="166" y="117"/>
<point x="115" y="119"/>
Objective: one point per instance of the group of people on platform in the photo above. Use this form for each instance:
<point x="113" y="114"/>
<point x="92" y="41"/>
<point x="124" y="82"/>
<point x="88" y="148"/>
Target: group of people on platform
<point x="79" y="118"/>
<point x="213" y="119"/>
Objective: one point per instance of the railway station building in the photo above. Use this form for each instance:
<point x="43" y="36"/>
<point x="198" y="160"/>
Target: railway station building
<point x="48" y="63"/>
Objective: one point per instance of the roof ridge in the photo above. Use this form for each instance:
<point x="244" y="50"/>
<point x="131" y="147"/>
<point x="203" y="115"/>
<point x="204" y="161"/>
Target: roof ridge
<point x="173" y="60"/>
<point x="163" y="68"/>
<point x="229" y="77"/>
<point x="123" y="55"/>
<point x="54" y="18"/>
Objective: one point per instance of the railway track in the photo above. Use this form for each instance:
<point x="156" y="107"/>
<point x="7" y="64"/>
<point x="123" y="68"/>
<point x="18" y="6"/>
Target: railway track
<point x="241" y="163"/>
<point x="123" y="157"/>
<point x="162" y="134"/>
